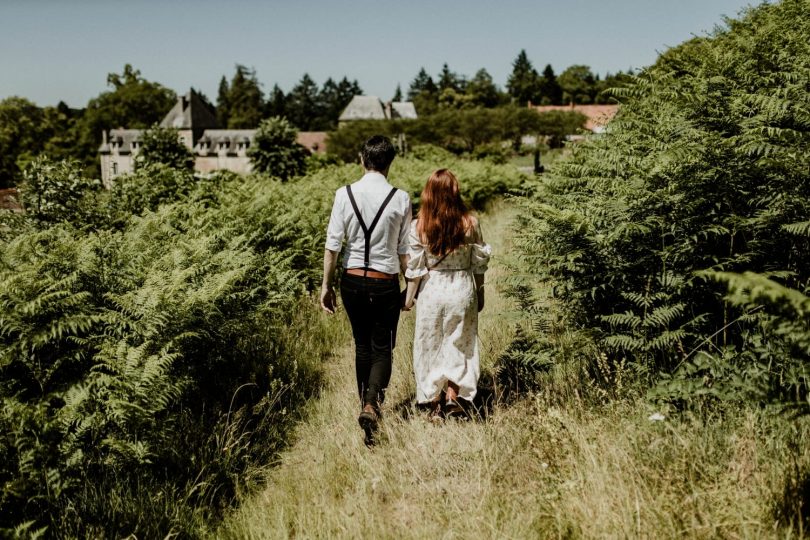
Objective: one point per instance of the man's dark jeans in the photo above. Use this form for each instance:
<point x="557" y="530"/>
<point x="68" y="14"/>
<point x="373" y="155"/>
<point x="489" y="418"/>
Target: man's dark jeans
<point x="373" y="307"/>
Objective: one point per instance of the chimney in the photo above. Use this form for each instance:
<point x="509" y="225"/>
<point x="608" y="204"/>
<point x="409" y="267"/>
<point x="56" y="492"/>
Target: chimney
<point x="104" y="136"/>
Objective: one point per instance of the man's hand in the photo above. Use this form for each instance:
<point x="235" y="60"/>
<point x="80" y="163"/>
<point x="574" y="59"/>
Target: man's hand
<point x="328" y="299"/>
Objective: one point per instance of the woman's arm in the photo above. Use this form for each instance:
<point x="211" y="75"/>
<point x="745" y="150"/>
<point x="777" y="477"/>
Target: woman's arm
<point x="479" y="288"/>
<point x="410" y="293"/>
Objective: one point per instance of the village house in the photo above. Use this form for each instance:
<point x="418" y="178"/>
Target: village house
<point x="597" y="115"/>
<point x="372" y="108"/>
<point x="196" y="123"/>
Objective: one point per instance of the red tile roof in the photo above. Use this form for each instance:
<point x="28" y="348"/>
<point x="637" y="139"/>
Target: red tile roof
<point x="598" y="115"/>
<point x="314" y="141"/>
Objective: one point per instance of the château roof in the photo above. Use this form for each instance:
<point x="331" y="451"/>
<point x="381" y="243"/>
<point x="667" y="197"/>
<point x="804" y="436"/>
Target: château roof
<point x="191" y="111"/>
<point x="120" y="140"/>
<point x="371" y="108"/>
<point x="363" y="108"/>
<point x="403" y="109"/>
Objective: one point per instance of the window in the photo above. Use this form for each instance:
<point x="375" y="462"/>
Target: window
<point x="115" y="168"/>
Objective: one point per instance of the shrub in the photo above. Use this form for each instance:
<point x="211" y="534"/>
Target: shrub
<point x="275" y="150"/>
<point x="705" y="168"/>
<point x="162" y="146"/>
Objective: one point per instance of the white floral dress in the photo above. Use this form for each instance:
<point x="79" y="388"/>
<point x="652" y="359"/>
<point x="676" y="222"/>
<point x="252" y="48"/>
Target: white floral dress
<point x="445" y="344"/>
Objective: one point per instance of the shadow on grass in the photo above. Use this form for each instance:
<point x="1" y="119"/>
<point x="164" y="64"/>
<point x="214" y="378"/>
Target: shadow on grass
<point x="478" y="410"/>
<point x="793" y="509"/>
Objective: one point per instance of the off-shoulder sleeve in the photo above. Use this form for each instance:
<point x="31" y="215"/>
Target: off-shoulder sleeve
<point x="481" y="251"/>
<point x="417" y="257"/>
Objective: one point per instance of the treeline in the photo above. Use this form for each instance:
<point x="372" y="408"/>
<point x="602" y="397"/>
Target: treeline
<point x="241" y="103"/>
<point x="450" y="90"/>
<point x="62" y="132"/>
<point x="475" y="132"/>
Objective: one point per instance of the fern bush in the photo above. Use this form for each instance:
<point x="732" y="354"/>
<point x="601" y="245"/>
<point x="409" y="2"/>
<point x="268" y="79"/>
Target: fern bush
<point x="704" y="169"/>
<point x="149" y="353"/>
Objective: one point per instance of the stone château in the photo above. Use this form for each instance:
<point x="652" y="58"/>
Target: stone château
<point x="196" y="123"/>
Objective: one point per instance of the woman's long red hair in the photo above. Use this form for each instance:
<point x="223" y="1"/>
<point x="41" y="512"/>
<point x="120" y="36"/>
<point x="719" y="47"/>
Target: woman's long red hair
<point x="443" y="217"/>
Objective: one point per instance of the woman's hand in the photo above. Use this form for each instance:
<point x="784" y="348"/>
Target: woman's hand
<point x="479" y="289"/>
<point x="409" y="298"/>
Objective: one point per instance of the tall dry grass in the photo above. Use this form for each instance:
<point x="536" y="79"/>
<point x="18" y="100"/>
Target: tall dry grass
<point x="550" y="465"/>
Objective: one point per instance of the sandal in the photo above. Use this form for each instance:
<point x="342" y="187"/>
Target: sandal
<point x="453" y="408"/>
<point x="436" y="415"/>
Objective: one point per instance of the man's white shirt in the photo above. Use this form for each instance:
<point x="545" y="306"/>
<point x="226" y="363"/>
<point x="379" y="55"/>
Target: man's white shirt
<point x="389" y="239"/>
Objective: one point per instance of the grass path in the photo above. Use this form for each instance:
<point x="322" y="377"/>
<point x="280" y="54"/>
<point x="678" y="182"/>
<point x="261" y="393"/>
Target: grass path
<point x="556" y="464"/>
<point x="421" y="480"/>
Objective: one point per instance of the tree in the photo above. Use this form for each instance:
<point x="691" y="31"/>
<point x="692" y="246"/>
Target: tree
<point x="424" y="93"/>
<point x="332" y="99"/>
<point x="276" y="104"/>
<point x="577" y="83"/>
<point x="450" y="79"/>
<point x="245" y="101"/>
<point x="223" y="102"/>
<point x="523" y="81"/>
<point x="550" y="92"/>
<point x="53" y="192"/>
<point x="57" y="130"/>
<point x="422" y="83"/>
<point x="302" y="103"/>
<point x="482" y="90"/>
<point x="601" y="87"/>
<point x="275" y="150"/>
<point x="133" y="102"/>
<point x="397" y="94"/>
<point x="162" y="145"/>
<point x="20" y="122"/>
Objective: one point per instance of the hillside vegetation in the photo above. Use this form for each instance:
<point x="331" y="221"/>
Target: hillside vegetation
<point x="676" y="244"/>
<point x="157" y="339"/>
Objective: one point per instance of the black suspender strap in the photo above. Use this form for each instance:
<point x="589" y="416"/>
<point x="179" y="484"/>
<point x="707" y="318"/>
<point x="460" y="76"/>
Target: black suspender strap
<point x="368" y="230"/>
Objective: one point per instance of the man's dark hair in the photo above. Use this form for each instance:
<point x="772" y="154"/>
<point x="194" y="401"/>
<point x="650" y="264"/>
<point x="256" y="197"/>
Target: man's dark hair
<point x="378" y="152"/>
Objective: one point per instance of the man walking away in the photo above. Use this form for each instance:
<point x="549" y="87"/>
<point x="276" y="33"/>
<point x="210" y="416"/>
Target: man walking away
<point x="374" y="218"/>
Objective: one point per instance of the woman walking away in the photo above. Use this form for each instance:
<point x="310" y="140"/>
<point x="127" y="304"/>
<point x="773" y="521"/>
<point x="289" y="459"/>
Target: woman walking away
<point x="447" y="261"/>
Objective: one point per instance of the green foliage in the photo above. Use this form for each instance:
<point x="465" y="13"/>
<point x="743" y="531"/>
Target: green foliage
<point x="133" y="102"/>
<point x="149" y="355"/>
<point x="19" y="123"/>
<point x="704" y="169"/>
<point x="460" y="131"/>
<point x="577" y="83"/>
<point x="523" y="81"/>
<point x="163" y="146"/>
<point x="770" y="364"/>
<point x="275" y="150"/>
<point x="239" y="105"/>
<point x="147" y="188"/>
<point x="53" y="192"/>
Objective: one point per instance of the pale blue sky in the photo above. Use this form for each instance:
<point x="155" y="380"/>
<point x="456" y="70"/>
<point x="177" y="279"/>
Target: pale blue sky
<point x="63" y="49"/>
